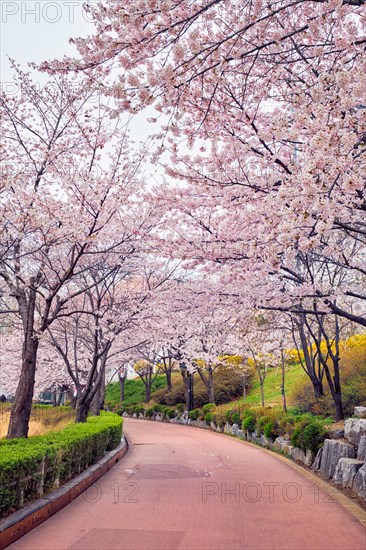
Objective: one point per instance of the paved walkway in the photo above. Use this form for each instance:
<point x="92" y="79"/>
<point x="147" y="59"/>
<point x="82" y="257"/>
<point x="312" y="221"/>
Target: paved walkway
<point x="185" y="488"/>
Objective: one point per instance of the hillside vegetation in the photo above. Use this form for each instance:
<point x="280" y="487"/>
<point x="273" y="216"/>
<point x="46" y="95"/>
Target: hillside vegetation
<point x="228" y="385"/>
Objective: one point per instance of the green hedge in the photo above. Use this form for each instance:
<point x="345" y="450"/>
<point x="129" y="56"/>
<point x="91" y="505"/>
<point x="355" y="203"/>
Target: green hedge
<point x="31" y="467"/>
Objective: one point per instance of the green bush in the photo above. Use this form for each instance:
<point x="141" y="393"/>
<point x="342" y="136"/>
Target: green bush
<point x="261" y="422"/>
<point x="194" y="414"/>
<point x="219" y="418"/>
<point x="32" y="467"/>
<point x="309" y="433"/>
<point x="271" y="430"/>
<point x="157" y="408"/>
<point x="180" y="407"/>
<point x="228" y="414"/>
<point x="138" y="409"/>
<point x="149" y="413"/>
<point x="209" y="417"/>
<point x="235" y="418"/>
<point x="249" y="424"/>
<point x="286" y="425"/>
<point x="209" y="407"/>
<point x="170" y="413"/>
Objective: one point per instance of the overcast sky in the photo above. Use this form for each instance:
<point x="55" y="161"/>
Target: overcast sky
<point x="39" y="30"/>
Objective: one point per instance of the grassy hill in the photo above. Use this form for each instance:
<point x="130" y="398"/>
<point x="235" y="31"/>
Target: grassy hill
<point x="135" y="390"/>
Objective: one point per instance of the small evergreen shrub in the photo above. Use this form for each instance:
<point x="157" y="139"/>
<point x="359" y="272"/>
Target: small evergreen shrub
<point x="149" y="413"/>
<point x="170" y="413"/>
<point x="209" y="417"/>
<point x="228" y="414"/>
<point x="309" y="433"/>
<point x="249" y="424"/>
<point x="209" y="407"/>
<point x="261" y="422"/>
<point x="271" y="430"/>
<point x="194" y="414"/>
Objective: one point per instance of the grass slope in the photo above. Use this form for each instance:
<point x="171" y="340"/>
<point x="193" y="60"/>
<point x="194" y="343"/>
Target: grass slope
<point x="134" y="391"/>
<point x="272" y="385"/>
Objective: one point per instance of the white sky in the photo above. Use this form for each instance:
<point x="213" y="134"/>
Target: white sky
<point x="39" y="30"/>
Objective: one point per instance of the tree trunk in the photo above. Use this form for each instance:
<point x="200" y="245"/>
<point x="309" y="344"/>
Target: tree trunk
<point x="184" y="374"/>
<point x="121" y="380"/>
<point x="22" y="406"/>
<point x="210" y="388"/>
<point x="283" y="392"/>
<point x="147" y="392"/>
<point x="82" y="410"/>
<point x="99" y="396"/>
<point x="59" y="399"/>
<point x="262" y="392"/>
<point x="168" y="374"/>
<point x="96" y="402"/>
<point x="309" y="365"/>
<point x="338" y="407"/>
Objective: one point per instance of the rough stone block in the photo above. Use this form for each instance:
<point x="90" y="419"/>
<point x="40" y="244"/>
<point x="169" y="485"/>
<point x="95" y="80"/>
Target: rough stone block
<point x="346" y="471"/>
<point x="359" y="483"/>
<point x="298" y="454"/>
<point x="354" y="429"/>
<point x="360" y="412"/>
<point x="333" y="451"/>
<point x="317" y="461"/>
<point x="336" y="434"/>
<point x="309" y="457"/>
<point x="361" y="451"/>
<point x="234" y="429"/>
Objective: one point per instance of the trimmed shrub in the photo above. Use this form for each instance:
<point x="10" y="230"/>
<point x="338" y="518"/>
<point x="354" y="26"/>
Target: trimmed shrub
<point x="235" y="418"/>
<point x="171" y="413"/>
<point x="194" y="414"/>
<point x="249" y="424"/>
<point x="209" y="417"/>
<point x="149" y="413"/>
<point x="157" y="408"/>
<point x="32" y="467"/>
<point x="271" y="430"/>
<point x="180" y="407"/>
<point x="309" y="433"/>
<point x="261" y="422"/>
<point x="209" y="407"/>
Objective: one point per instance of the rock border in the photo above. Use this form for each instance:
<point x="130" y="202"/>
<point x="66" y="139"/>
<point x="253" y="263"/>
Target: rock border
<point x="22" y="521"/>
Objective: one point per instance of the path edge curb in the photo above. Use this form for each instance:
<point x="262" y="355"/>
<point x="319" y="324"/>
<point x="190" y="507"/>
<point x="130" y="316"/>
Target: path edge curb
<point x="22" y="521"/>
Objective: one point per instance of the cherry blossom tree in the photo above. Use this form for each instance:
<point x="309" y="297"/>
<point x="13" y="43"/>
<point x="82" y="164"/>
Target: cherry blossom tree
<point x="272" y="98"/>
<point x="62" y="212"/>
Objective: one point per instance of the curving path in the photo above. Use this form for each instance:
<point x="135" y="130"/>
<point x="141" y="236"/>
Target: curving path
<point x="186" y="488"/>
